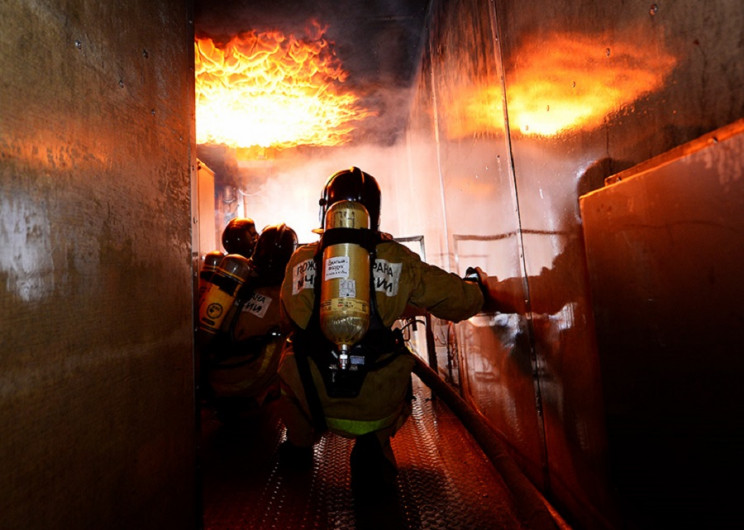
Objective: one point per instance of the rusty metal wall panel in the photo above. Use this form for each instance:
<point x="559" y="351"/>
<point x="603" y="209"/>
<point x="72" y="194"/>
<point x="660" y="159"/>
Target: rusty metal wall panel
<point x="665" y="246"/>
<point x="96" y="376"/>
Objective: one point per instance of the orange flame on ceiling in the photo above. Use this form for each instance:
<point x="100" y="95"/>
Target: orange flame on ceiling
<point x="271" y="90"/>
<point x="562" y="82"/>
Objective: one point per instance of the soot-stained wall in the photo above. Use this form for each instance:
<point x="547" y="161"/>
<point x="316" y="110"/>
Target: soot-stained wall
<point x="96" y="371"/>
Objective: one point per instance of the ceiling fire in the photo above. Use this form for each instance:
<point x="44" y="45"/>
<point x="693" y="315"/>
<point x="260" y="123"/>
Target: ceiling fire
<point x="268" y="89"/>
<point x="270" y="77"/>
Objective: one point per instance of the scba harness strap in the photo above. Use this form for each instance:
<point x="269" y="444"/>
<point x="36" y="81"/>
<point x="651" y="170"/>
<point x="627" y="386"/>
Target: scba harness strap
<point x="364" y="237"/>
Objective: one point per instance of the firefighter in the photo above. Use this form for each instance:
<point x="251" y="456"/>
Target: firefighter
<point x="344" y="369"/>
<point x="239" y="238"/>
<point x="243" y="356"/>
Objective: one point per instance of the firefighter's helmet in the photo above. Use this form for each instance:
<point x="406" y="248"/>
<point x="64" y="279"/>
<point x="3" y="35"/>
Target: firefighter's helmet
<point x="352" y="185"/>
<point x="240" y="236"/>
<point x="274" y="247"/>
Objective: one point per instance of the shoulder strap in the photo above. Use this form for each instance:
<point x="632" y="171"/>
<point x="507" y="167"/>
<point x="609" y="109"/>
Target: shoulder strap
<point x="363" y="237"/>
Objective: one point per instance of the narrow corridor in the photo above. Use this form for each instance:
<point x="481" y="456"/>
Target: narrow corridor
<point x="445" y="479"/>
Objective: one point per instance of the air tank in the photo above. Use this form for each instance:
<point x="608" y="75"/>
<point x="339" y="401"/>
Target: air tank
<point x="226" y="281"/>
<point x="345" y="286"/>
<point x="211" y="261"/>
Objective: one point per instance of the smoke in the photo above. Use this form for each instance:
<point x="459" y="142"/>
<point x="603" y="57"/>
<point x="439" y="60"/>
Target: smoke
<point x="286" y="189"/>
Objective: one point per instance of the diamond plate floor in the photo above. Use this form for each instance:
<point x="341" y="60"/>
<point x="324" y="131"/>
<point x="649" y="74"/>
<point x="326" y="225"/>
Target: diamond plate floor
<point x="445" y="480"/>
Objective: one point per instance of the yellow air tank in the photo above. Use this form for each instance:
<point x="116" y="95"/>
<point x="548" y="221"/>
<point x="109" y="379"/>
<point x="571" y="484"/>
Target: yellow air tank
<point x="345" y="286"/>
<point x="226" y="281"/>
<point x="211" y="260"/>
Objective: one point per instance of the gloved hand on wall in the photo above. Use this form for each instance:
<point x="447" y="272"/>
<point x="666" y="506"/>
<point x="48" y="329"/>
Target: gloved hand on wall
<point x="478" y="276"/>
<point x="489" y="286"/>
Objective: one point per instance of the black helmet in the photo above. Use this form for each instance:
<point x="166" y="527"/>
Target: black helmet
<point x="240" y="236"/>
<point x="352" y="185"/>
<point x="273" y="250"/>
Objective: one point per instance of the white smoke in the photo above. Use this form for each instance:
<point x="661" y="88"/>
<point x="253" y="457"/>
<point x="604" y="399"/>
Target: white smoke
<point x="292" y="192"/>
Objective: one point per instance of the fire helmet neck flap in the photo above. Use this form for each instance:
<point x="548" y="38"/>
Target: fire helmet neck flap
<point x="274" y="248"/>
<point x="352" y="185"/>
<point x="240" y="236"/>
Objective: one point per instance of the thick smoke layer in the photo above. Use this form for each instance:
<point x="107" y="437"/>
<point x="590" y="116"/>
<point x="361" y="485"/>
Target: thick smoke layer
<point x="286" y="189"/>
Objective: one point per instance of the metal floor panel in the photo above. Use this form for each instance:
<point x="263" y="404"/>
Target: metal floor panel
<point x="445" y="479"/>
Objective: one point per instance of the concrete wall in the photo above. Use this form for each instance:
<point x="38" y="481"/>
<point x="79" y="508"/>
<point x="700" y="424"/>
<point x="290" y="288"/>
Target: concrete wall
<point x="96" y="367"/>
<point x="521" y="108"/>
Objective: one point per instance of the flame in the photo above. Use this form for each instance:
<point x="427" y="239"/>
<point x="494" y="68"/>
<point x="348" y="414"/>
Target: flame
<point x="271" y="90"/>
<point x="562" y="82"/>
<point x="475" y="110"/>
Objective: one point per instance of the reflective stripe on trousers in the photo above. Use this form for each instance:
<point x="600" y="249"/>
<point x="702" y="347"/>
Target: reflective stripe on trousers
<point x="360" y="427"/>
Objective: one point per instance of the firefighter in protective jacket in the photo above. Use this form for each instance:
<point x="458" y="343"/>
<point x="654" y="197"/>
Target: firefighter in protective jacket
<point x="243" y="355"/>
<point x="344" y="369"/>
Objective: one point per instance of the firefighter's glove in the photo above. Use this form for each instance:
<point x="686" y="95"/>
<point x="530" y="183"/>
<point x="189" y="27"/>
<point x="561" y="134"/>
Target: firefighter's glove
<point x="477" y="275"/>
